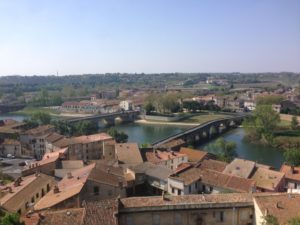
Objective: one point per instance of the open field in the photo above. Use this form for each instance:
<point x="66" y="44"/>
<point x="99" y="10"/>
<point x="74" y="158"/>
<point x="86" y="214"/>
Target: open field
<point x="28" y="111"/>
<point x="205" y="117"/>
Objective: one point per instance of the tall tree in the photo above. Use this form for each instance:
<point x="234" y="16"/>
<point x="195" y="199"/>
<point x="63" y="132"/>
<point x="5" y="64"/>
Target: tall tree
<point x="119" y="136"/>
<point x="262" y="124"/>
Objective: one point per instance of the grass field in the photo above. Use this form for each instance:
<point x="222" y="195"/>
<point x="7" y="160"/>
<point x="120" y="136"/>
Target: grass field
<point x="27" y="111"/>
<point x="205" y="117"/>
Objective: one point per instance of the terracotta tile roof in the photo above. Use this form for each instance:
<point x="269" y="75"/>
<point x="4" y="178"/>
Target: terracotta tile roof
<point x="240" y="167"/>
<point x="193" y="154"/>
<point x="183" y="166"/>
<point x="48" y="158"/>
<point x="267" y="179"/>
<point x="12" y="201"/>
<point x="64" y="142"/>
<point x="107" y="177"/>
<point x="68" y="187"/>
<point x="53" y="137"/>
<point x="40" y="130"/>
<point x="292" y="173"/>
<point x="101" y="212"/>
<point x="64" y="217"/>
<point x="128" y="153"/>
<point x="212" y="164"/>
<point x="159" y="156"/>
<point x="185" y="200"/>
<point x="215" y="178"/>
<point x="73" y="216"/>
<point x="283" y="206"/>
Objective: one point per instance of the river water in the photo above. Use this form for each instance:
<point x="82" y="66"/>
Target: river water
<point x="149" y="133"/>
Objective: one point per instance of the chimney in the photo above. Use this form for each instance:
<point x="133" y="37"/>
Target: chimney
<point x="55" y="189"/>
<point x="292" y="169"/>
<point x="69" y="175"/>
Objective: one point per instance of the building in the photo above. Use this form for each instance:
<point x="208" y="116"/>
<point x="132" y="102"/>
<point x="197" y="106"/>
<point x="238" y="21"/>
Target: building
<point x="11" y="128"/>
<point x="35" y="139"/>
<point x="52" y="138"/>
<point x="225" y="209"/>
<point x="87" y="147"/>
<point x="249" y="105"/>
<point x="282" y="206"/>
<point x="268" y="180"/>
<point x="72" y="216"/>
<point x="128" y="153"/>
<point x="106" y="182"/>
<point x="195" y="181"/>
<point x="240" y="167"/>
<point x="68" y="193"/>
<point x="48" y="164"/>
<point x="11" y="147"/>
<point x="22" y="194"/>
<point x="170" y="159"/>
<point x="212" y="164"/>
<point x="126" y="105"/>
<point x="292" y="177"/>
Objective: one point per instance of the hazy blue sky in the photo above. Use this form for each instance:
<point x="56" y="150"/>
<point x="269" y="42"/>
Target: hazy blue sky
<point x="86" y="36"/>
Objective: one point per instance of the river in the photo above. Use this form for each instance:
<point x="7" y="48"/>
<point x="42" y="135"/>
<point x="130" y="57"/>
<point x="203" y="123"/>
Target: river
<point x="149" y="133"/>
<point x="146" y="133"/>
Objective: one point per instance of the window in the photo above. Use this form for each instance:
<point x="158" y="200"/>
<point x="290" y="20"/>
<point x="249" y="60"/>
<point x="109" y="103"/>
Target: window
<point x="48" y="187"/>
<point x="221" y="216"/>
<point x="173" y="190"/>
<point x="156" y="220"/>
<point x="37" y="195"/>
<point x="190" y="188"/>
<point x="196" y="185"/>
<point x="19" y="211"/>
<point x="32" y="199"/>
<point x="96" y="190"/>
<point x="179" y="192"/>
<point x="43" y="192"/>
<point x="109" y="192"/>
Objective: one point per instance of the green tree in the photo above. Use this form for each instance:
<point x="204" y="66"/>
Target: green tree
<point x="270" y="220"/>
<point x="269" y="100"/>
<point x="294" y="221"/>
<point x="294" y="122"/>
<point x="191" y="105"/>
<point x="262" y="124"/>
<point x="42" y="118"/>
<point x="85" y="128"/>
<point x="120" y="137"/>
<point x="225" y="150"/>
<point x="11" y="219"/>
<point x="148" y="108"/>
<point x="292" y="157"/>
<point x="29" y="123"/>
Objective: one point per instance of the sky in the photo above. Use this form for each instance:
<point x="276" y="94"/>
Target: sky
<point x="151" y="36"/>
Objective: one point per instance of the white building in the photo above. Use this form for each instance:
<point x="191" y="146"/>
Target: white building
<point x="126" y="105"/>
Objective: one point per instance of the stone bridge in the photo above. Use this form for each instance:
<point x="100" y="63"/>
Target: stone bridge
<point x="108" y="119"/>
<point x="204" y="131"/>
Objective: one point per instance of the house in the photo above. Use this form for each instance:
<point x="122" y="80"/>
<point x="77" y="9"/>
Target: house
<point x="47" y="165"/>
<point x="126" y="105"/>
<point x="195" y="181"/>
<point x="12" y="147"/>
<point x="150" y="178"/>
<point x="52" y="138"/>
<point x="283" y="206"/>
<point x="128" y="153"/>
<point x="249" y="105"/>
<point x="35" y="139"/>
<point x="212" y="164"/>
<point x="268" y="180"/>
<point x="169" y="159"/>
<point x="225" y="209"/>
<point x="106" y="182"/>
<point x="67" y="166"/>
<point x="68" y="193"/>
<point x="240" y="167"/>
<point x="20" y="195"/>
<point x="87" y="147"/>
<point x="292" y="177"/>
<point x="194" y="155"/>
<point x="11" y="128"/>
